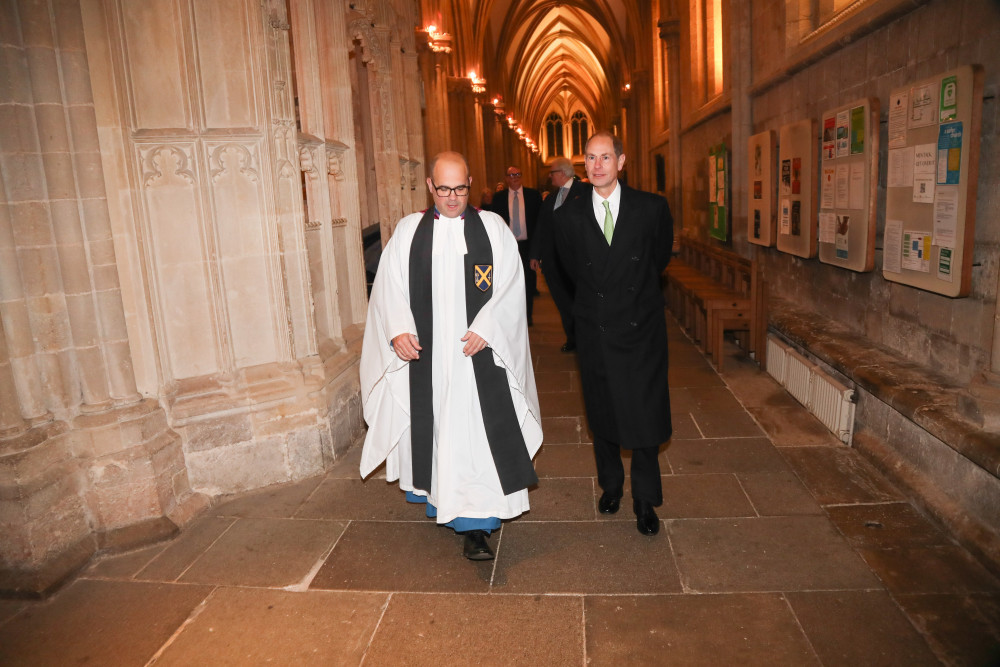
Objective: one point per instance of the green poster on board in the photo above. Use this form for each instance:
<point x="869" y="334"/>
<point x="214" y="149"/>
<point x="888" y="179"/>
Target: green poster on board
<point x="718" y="202"/>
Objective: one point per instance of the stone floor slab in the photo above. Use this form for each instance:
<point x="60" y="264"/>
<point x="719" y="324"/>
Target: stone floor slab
<point x="766" y="554"/>
<point x="265" y="552"/>
<point x="793" y="427"/>
<point x="703" y="496"/>
<point x="561" y="404"/>
<point x="275" y="502"/>
<point x="741" y="629"/>
<point x="565" y="461"/>
<point x="184" y="550"/>
<point x="726" y="424"/>
<point x="684" y="426"/>
<point x="564" y="430"/>
<point x="700" y="375"/>
<point x="279" y="628"/>
<point x="879" y="633"/>
<point x="125" y="565"/>
<point x="10" y="608"/>
<point x="778" y="494"/>
<point x="99" y="623"/>
<point x="839" y="475"/>
<point x="945" y="569"/>
<point x="554" y="381"/>
<point x="962" y="629"/>
<point x="479" y="630"/>
<point x="398" y="556"/>
<point x="886" y="525"/>
<point x="361" y="500"/>
<point x="727" y="455"/>
<point x="559" y="499"/>
<point x="585" y="557"/>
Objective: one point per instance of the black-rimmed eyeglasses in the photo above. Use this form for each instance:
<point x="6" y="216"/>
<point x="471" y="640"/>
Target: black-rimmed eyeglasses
<point x="445" y="191"/>
<point x="515" y="174"/>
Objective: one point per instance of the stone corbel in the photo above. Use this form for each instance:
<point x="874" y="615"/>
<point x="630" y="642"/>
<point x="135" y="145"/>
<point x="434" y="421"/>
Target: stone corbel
<point x="311" y="160"/>
<point x="403" y="179"/>
<point x="335" y="159"/>
<point x="459" y="84"/>
<point x="414" y="165"/>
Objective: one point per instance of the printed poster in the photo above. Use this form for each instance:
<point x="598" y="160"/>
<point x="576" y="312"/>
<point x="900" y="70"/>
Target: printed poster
<point x="949" y="99"/>
<point x="786" y="177"/>
<point x="857" y="194"/>
<point x="786" y="216"/>
<point x="843" y="186"/>
<point x="946" y="215"/>
<point x="841" y="240"/>
<point x="900" y="167"/>
<point x="827" y="227"/>
<point x="893" y="246"/>
<point x="922" y="106"/>
<point x="829" y="138"/>
<point x="917" y="251"/>
<point x="828" y="189"/>
<point x="796" y="218"/>
<point x="945" y="257"/>
<point x="898" y="106"/>
<point x="796" y="175"/>
<point x="924" y="165"/>
<point x="949" y="153"/>
<point x="857" y="130"/>
<point x="843" y="133"/>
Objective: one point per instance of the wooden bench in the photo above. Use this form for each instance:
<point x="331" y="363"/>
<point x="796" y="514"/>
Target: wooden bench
<point x="711" y="291"/>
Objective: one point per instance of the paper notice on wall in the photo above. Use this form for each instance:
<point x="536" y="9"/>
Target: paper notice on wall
<point x="924" y="166"/>
<point x="712" y="175"/>
<point x="892" y="246"/>
<point x="900" y="167"/>
<point x="944" y="265"/>
<point x="827" y="227"/>
<point x="786" y="216"/>
<point x="843" y="186"/>
<point x="828" y="189"/>
<point x="898" y="108"/>
<point x="857" y="197"/>
<point x="917" y="251"/>
<point x="945" y="215"/>
<point x="923" y="105"/>
<point x="949" y="154"/>
<point x="843" y="133"/>
<point x="842" y="237"/>
<point x="829" y="138"/>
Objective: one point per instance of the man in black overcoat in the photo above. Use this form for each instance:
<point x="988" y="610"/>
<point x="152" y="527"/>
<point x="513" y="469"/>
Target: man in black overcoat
<point x="543" y="252"/>
<point x="615" y="244"/>
<point x="519" y="206"/>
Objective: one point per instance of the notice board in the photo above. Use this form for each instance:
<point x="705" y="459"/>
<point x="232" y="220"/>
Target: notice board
<point x="761" y="221"/>
<point x="933" y="167"/>
<point x="796" y="188"/>
<point x="848" y="185"/>
<point x="718" y="192"/>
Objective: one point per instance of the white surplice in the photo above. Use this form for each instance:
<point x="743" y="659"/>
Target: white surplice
<point x="464" y="478"/>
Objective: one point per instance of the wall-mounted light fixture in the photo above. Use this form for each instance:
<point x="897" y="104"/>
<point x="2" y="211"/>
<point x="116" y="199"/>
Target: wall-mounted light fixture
<point x="478" y="85"/>
<point x="439" y="42"/>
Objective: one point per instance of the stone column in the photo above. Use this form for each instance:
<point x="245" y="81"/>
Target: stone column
<point x="670" y="33"/>
<point x="742" y="113"/>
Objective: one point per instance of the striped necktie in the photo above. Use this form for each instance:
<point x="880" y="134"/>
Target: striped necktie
<point x="515" y="217"/>
<point x="560" y="197"/>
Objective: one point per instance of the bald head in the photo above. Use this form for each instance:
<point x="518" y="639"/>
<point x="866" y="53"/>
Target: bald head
<point x="449" y="183"/>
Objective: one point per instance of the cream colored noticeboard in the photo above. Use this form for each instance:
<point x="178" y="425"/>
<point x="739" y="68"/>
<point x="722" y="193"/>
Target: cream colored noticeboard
<point x="933" y="166"/>
<point x="796" y="188"/>
<point x="761" y="221"/>
<point x="848" y="185"/>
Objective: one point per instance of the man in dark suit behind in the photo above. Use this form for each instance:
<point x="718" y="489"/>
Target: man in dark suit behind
<point x="615" y="244"/>
<point x="543" y="252"/>
<point x="519" y="207"/>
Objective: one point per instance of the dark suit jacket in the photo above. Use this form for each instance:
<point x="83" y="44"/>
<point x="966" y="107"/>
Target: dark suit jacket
<point x="621" y="332"/>
<point x="543" y="239"/>
<point x="532" y="203"/>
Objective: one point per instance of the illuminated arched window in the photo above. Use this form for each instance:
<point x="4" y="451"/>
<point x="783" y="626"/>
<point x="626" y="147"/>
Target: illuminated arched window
<point x="578" y="126"/>
<point x="554" y="133"/>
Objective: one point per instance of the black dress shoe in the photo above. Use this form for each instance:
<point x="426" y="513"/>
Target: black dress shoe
<point x="476" y="547"/>
<point x="608" y="504"/>
<point x="568" y="347"/>
<point x="646" y="520"/>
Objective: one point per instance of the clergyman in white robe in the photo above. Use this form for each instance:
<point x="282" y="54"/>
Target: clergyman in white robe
<point x="464" y="481"/>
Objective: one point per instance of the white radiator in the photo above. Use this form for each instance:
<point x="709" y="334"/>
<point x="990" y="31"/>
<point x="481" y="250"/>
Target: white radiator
<point x="825" y="397"/>
<point x="777" y="352"/>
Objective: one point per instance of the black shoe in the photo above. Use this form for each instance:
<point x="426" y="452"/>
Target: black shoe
<point x="476" y="547"/>
<point x="645" y="519"/>
<point x="568" y="347"/>
<point x="608" y="504"/>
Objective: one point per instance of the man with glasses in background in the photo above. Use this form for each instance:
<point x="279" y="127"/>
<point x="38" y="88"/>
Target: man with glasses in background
<point x="446" y="379"/>
<point x="518" y="206"/>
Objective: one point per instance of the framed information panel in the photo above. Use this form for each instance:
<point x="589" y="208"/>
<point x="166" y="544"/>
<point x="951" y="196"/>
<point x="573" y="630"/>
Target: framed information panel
<point x="718" y="192"/>
<point x="796" y="188"/>
<point x="848" y="185"/>
<point x="933" y="166"/>
<point x="761" y="221"/>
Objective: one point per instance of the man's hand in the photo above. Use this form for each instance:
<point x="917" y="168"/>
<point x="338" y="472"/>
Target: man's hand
<point x="473" y="343"/>
<point x="406" y="347"/>
<point x="535" y="265"/>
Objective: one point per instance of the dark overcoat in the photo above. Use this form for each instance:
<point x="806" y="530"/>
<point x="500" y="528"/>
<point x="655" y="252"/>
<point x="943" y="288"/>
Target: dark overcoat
<point x="621" y="331"/>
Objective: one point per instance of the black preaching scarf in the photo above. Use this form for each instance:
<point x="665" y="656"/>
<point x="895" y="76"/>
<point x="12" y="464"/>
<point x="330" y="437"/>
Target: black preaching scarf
<point x="503" y="431"/>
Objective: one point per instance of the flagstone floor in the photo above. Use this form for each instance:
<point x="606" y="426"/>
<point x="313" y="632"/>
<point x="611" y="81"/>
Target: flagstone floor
<point x="779" y="546"/>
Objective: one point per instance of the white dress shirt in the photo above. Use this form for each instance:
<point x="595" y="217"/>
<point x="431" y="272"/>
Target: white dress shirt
<point x="614" y="199"/>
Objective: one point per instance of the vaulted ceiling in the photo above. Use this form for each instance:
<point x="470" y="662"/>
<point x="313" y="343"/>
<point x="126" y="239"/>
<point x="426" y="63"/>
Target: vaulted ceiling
<point x="544" y="55"/>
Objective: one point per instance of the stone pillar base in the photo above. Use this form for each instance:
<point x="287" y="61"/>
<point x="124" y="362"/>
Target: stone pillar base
<point x="980" y="401"/>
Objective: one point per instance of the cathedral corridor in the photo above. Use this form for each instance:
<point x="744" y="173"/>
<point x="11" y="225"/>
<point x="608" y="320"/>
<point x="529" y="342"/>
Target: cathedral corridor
<point x="779" y="546"/>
